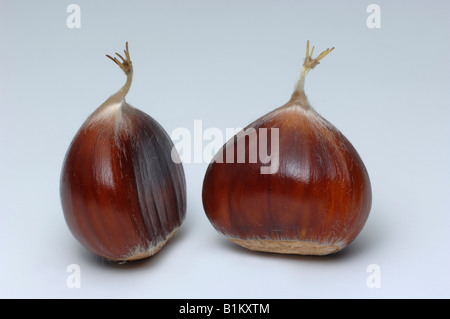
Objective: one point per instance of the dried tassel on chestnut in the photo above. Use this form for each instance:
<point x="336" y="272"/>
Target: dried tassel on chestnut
<point x="312" y="196"/>
<point x="122" y="195"/>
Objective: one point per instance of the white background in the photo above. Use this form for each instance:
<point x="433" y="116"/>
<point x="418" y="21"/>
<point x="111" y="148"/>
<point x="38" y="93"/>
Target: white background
<point x="226" y="63"/>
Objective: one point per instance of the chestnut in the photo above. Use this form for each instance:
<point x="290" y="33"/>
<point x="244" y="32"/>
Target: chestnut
<point x="313" y="199"/>
<point x="122" y="195"/>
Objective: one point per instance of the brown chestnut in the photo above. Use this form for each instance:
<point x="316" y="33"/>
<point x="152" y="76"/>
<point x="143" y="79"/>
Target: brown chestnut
<point x="313" y="199"/>
<point x="122" y="195"/>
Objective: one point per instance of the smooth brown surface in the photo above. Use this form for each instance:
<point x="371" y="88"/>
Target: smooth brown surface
<point x="121" y="193"/>
<point x="320" y="194"/>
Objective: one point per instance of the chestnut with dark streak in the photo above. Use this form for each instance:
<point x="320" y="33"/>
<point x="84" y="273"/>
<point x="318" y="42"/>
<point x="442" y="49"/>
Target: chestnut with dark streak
<point x="317" y="200"/>
<point x="122" y="195"/>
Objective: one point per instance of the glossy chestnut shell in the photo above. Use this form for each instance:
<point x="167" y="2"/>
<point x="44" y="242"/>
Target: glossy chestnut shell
<point x="320" y="197"/>
<point x="315" y="202"/>
<point x="122" y="195"/>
